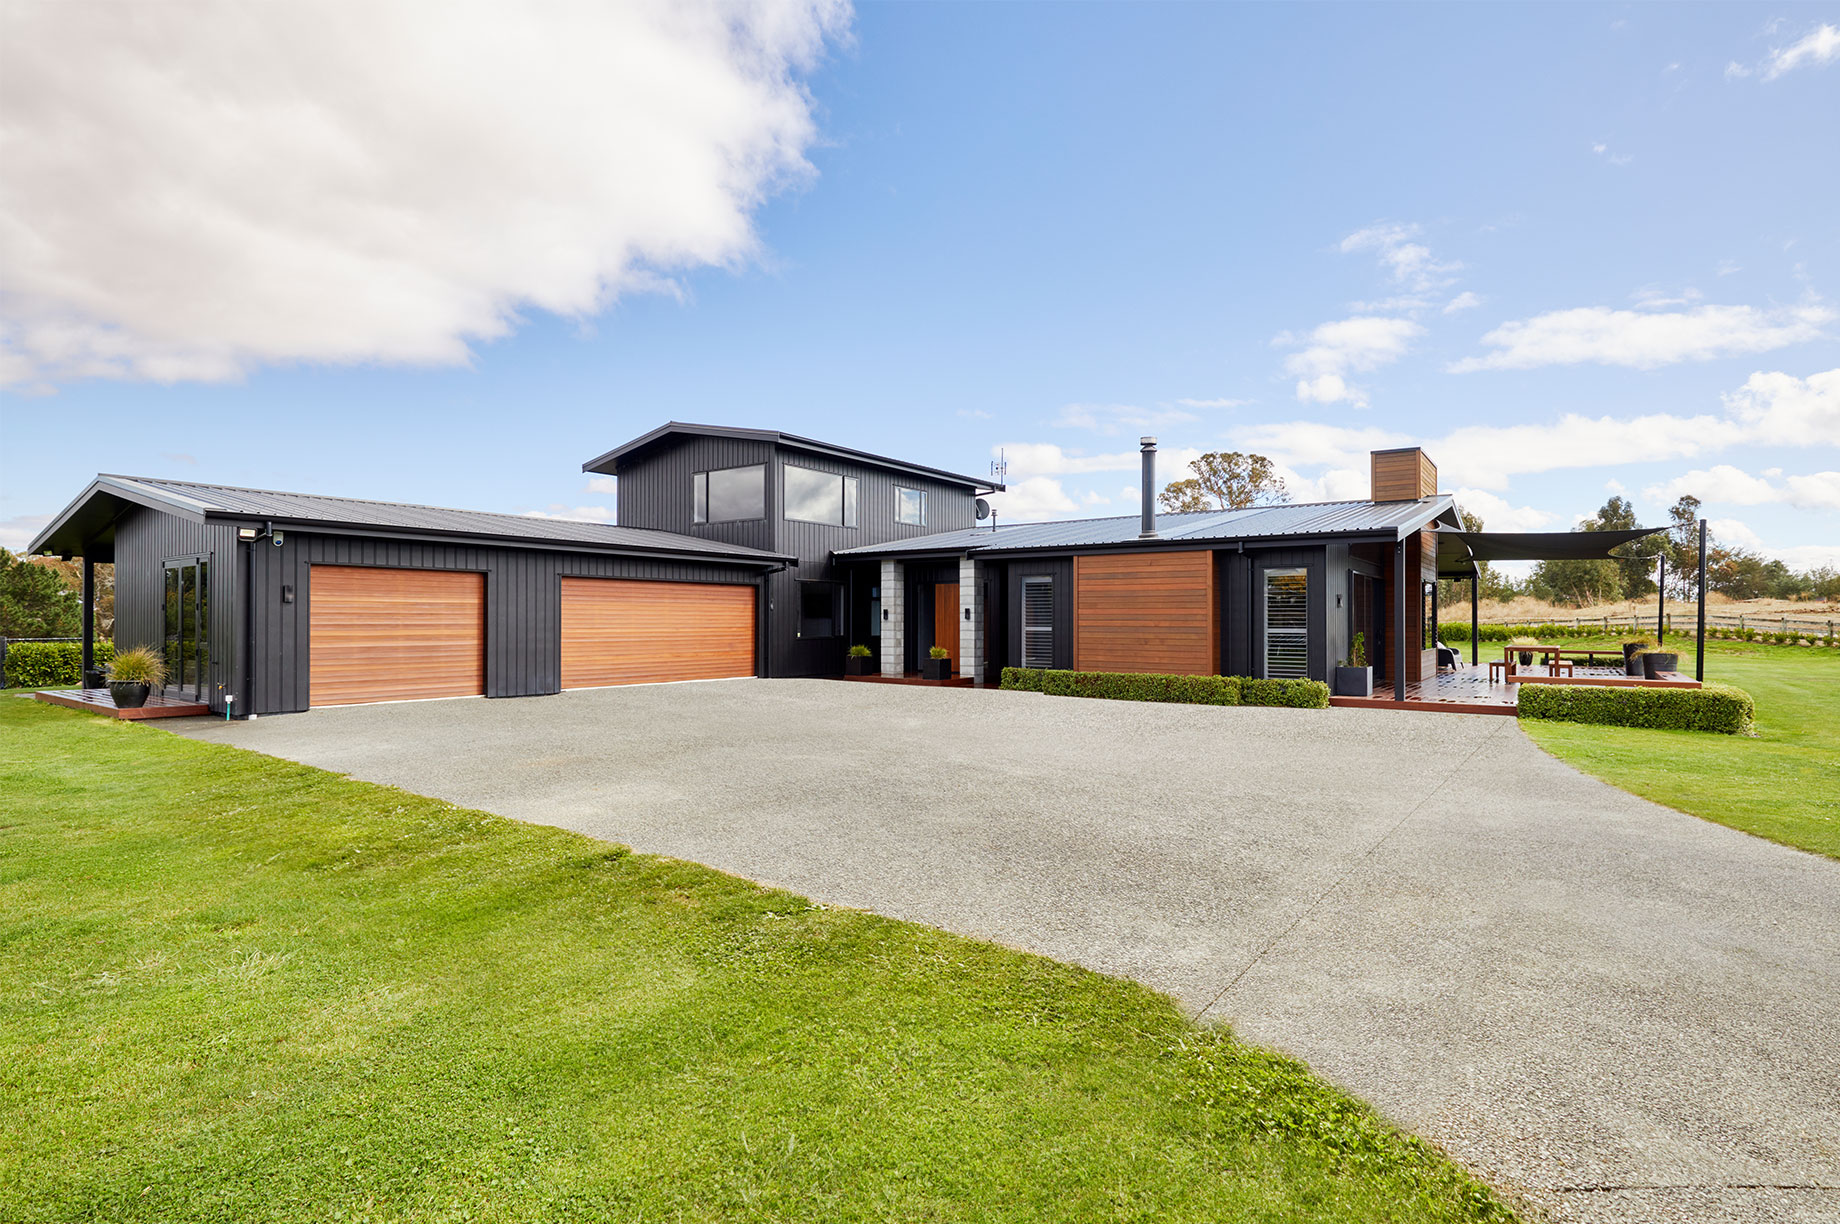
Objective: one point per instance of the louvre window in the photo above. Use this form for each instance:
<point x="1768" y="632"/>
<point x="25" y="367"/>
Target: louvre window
<point x="1038" y="622"/>
<point x="1287" y="629"/>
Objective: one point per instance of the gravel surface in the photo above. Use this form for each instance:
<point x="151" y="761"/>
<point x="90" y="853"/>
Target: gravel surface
<point x="1616" y="1010"/>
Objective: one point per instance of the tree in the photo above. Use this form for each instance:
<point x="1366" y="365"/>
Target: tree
<point x="1491" y="583"/>
<point x="71" y="574"/>
<point x="1637" y="562"/>
<point x="1226" y="480"/>
<point x="1683" y="548"/>
<point x="34" y="602"/>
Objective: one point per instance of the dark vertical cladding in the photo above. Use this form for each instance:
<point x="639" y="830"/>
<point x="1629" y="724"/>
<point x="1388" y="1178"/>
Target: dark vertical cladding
<point x="1309" y="558"/>
<point x="145" y="540"/>
<point x="1061" y="571"/>
<point x="655" y="491"/>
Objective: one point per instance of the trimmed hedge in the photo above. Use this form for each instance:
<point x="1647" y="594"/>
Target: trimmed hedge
<point x="45" y="664"/>
<point x="1716" y="707"/>
<point x="1188" y="690"/>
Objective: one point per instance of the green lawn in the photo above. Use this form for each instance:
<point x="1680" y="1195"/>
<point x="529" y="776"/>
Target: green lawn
<point x="238" y="989"/>
<point x="1784" y="784"/>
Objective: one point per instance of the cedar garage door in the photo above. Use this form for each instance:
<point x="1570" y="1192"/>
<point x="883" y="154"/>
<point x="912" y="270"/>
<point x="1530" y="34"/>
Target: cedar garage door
<point x="395" y="634"/>
<point x="617" y="631"/>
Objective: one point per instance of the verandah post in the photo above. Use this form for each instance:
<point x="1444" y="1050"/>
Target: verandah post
<point x="1699" y="646"/>
<point x="1475" y="617"/>
<point x="89" y="616"/>
<point x="1399" y="621"/>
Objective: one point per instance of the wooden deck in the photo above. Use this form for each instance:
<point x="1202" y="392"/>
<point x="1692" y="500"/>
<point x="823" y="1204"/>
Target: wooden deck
<point x="98" y="701"/>
<point x="913" y="678"/>
<point x="1468" y="690"/>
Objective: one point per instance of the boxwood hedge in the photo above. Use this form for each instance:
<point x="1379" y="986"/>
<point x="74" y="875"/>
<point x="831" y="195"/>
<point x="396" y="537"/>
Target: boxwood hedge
<point x="1191" y="690"/>
<point x="1716" y="707"/>
<point x="44" y="664"/>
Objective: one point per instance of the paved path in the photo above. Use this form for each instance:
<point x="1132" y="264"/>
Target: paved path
<point x="1623" y="1012"/>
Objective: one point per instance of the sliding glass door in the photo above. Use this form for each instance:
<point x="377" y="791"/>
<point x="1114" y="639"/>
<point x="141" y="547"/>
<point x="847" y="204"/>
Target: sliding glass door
<point x="187" y="636"/>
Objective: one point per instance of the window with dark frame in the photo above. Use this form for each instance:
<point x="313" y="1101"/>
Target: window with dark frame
<point x="729" y="495"/>
<point x="813" y="496"/>
<point x="910" y="506"/>
<point x="1038" y="621"/>
<point x="1287" y="624"/>
<point x="818" y="610"/>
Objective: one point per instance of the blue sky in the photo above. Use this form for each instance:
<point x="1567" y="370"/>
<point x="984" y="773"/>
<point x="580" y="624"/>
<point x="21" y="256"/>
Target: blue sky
<point x="1569" y="249"/>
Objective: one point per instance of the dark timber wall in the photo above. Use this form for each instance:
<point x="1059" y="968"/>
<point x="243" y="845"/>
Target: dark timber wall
<point x="144" y="541"/>
<point x="1061" y="570"/>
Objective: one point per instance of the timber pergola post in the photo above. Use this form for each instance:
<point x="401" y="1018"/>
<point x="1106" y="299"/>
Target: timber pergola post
<point x="1475" y="614"/>
<point x="89" y="616"/>
<point x="1399" y="620"/>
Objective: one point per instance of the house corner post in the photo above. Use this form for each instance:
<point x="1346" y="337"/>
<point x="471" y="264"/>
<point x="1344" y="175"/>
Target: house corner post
<point x="1399" y="620"/>
<point x="89" y="615"/>
<point x="971" y="620"/>
<point x="894" y="619"/>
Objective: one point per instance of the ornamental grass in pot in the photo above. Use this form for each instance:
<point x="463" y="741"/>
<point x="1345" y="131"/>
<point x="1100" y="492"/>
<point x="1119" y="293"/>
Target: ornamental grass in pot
<point x="859" y="663"/>
<point x="1654" y="662"/>
<point x="938" y="665"/>
<point x="1354" y="676"/>
<point x="1526" y="656"/>
<point x="1632" y="657"/>
<point x="133" y="675"/>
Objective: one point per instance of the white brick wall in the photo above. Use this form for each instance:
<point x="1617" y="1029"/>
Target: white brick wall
<point x="971" y="652"/>
<point x="894" y="618"/>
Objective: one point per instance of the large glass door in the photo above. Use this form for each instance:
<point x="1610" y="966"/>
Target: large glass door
<point x="187" y="636"/>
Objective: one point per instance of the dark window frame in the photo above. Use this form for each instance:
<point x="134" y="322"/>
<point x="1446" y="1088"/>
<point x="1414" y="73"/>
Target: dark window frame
<point x="1045" y="631"/>
<point x="919" y="493"/>
<point x="848" y="496"/>
<point x="701" y="508"/>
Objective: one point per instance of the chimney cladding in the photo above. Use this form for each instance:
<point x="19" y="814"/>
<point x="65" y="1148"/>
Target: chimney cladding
<point x="1147" y="515"/>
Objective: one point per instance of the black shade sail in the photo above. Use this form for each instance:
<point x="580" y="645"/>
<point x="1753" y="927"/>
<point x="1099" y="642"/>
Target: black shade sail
<point x="1457" y="549"/>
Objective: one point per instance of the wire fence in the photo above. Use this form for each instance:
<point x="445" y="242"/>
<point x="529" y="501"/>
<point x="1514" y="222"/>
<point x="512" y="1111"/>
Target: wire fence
<point x="1742" y="624"/>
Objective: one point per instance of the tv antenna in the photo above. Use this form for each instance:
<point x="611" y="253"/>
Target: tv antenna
<point x="999" y="468"/>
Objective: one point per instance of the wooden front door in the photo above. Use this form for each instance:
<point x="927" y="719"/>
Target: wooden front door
<point x="395" y="634"/>
<point x="620" y="631"/>
<point x="945" y="619"/>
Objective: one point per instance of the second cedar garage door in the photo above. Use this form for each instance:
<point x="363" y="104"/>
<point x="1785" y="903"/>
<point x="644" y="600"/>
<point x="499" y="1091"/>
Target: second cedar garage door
<point x="395" y="634"/>
<point x="617" y="631"/>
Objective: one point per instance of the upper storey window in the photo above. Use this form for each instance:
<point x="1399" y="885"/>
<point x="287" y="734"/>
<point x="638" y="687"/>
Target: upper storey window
<point x="820" y="497"/>
<point x="729" y="495"/>
<point x="910" y="506"/>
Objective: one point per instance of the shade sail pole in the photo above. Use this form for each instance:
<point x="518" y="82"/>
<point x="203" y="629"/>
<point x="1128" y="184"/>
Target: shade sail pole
<point x="1399" y="621"/>
<point x="1661" y="611"/>
<point x="89" y="617"/>
<point x="1699" y="646"/>
<point x="1475" y="614"/>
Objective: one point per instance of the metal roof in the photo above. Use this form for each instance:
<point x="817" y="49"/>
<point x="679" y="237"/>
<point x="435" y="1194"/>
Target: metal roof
<point x="609" y="463"/>
<point x="1397" y="519"/>
<point x="199" y="501"/>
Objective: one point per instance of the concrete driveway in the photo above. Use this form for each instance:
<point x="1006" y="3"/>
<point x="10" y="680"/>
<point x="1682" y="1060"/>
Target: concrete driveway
<point x="1622" y="1012"/>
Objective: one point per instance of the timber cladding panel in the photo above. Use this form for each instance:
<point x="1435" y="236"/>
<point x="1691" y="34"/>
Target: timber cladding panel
<point x="1402" y="475"/>
<point x="617" y="631"/>
<point x="1146" y="612"/>
<point x="380" y="634"/>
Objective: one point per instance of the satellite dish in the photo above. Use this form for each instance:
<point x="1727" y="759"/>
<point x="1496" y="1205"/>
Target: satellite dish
<point x="983" y="509"/>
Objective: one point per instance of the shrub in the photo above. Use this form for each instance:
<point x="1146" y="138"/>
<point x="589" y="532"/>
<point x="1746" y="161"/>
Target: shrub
<point x="938" y="652"/>
<point x="1357" y="651"/>
<point x="1716" y="707"/>
<point x="1190" y="690"/>
<point x="859" y="651"/>
<point x="1297" y="694"/>
<point x="49" y="664"/>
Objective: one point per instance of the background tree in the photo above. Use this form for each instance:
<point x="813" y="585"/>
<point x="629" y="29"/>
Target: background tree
<point x="35" y="602"/>
<point x="71" y="574"/>
<point x="1491" y="583"/>
<point x="1225" y="480"/>
<point x="1636" y="562"/>
<point x="1683" y="548"/>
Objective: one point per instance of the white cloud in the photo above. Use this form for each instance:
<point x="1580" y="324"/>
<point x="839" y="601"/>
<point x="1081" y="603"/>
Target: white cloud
<point x="1644" y="340"/>
<point x="1651" y="297"/>
<point x="1332" y="350"/>
<point x="1308" y="443"/>
<point x="1724" y="483"/>
<point x="1031" y="499"/>
<point x="1615" y="159"/>
<point x="18" y="531"/>
<point x="1781" y="408"/>
<point x="1728" y="267"/>
<point x="234" y="184"/>
<point x="1213" y="403"/>
<point x="1735" y="71"/>
<point x="1802" y="557"/>
<point x="1047" y="459"/>
<point x="588" y="514"/>
<point x="1735" y="531"/>
<point x="603" y="484"/>
<point x="1463" y="301"/>
<point x="1820" y="47"/>
<point x="975" y="414"/>
<point x="1411" y="263"/>
<point x="1498" y="514"/>
<point x="1117" y="418"/>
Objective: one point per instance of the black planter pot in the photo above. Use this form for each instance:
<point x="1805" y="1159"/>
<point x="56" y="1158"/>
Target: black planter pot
<point x="1655" y="662"/>
<point x="1632" y="665"/>
<point x="936" y="669"/>
<point x="1526" y="657"/>
<point x="855" y="665"/>
<point x="95" y="679"/>
<point x="1630" y="648"/>
<point x="1354" y="682"/>
<point x="128" y="696"/>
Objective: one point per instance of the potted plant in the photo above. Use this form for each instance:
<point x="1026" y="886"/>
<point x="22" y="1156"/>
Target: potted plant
<point x="1526" y="656"/>
<point x="133" y="675"/>
<point x="1632" y="658"/>
<point x="1654" y="662"/>
<point x="1354" y="677"/>
<point x="938" y="665"/>
<point x="859" y="662"/>
<point x="1635" y="647"/>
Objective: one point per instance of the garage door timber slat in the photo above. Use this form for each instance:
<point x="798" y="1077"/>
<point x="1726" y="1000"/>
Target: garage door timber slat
<point x="378" y="634"/>
<point x="619" y="631"/>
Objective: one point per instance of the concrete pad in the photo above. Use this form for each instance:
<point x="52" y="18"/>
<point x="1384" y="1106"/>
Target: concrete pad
<point x="1619" y="1011"/>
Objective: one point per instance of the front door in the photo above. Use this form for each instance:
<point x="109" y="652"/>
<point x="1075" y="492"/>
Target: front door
<point x="186" y="638"/>
<point x="945" y="619"/>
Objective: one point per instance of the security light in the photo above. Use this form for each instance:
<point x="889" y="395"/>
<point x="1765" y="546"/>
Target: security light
<point x="245" y="533"/>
